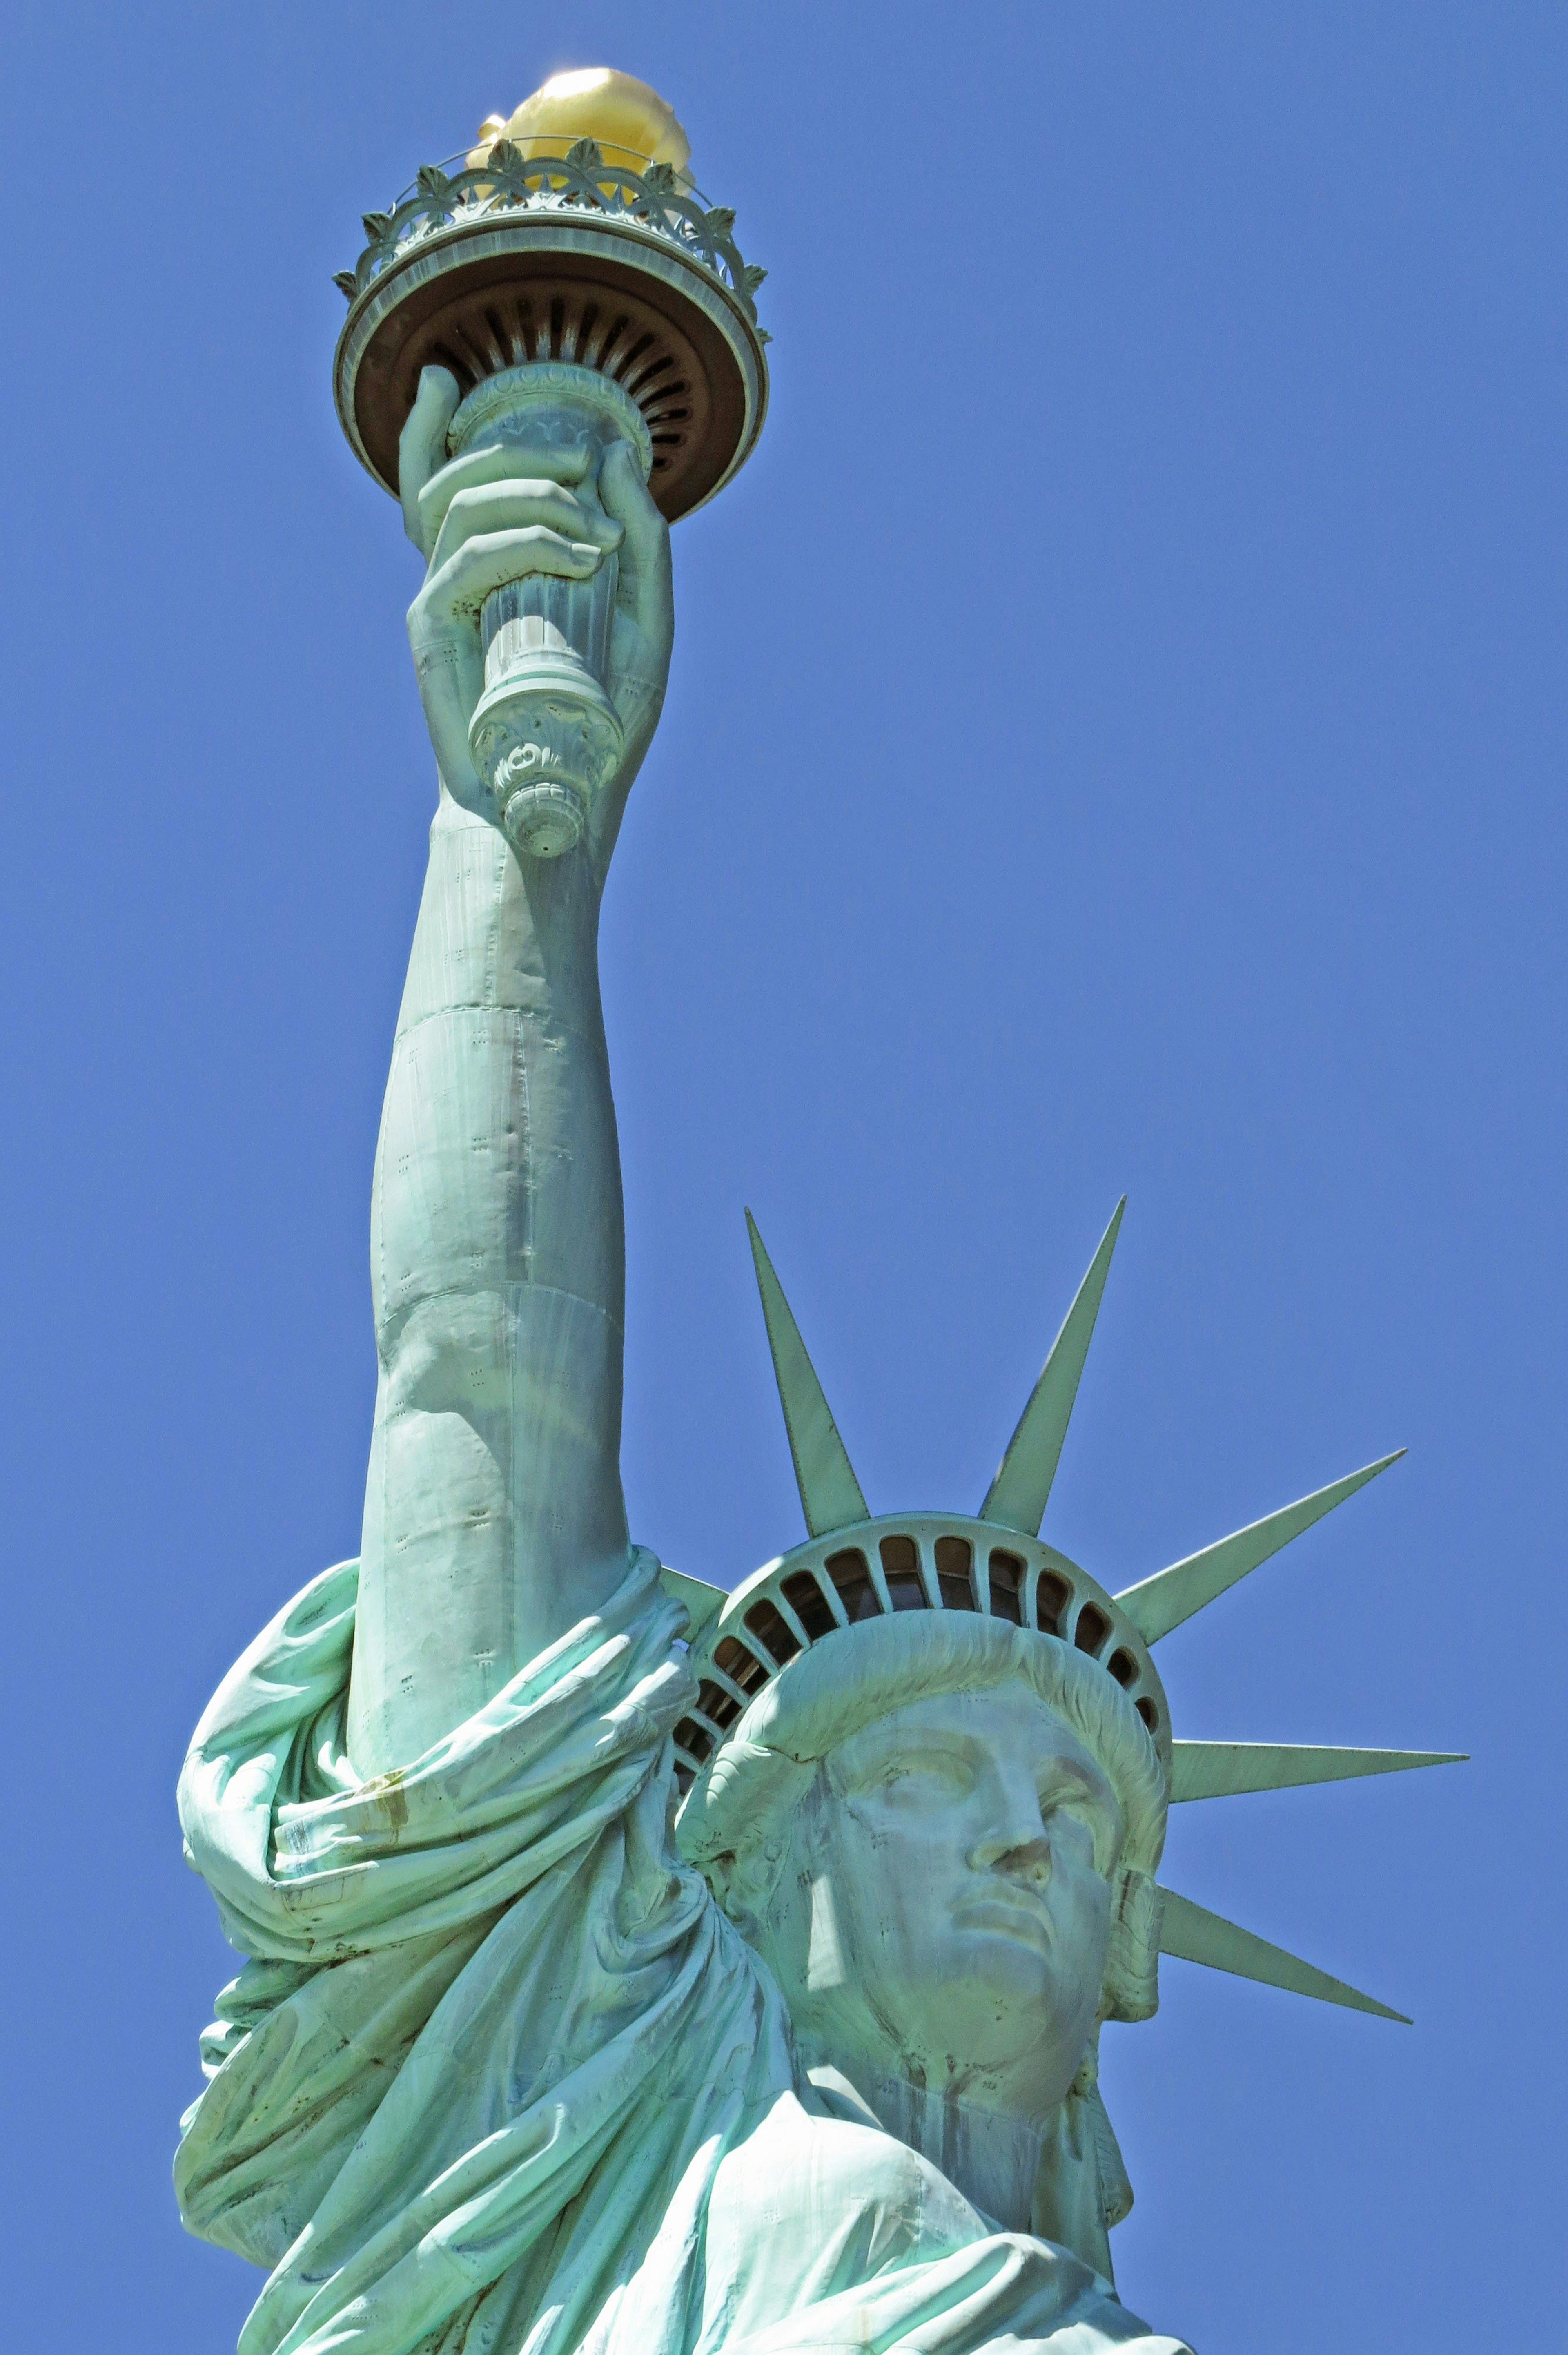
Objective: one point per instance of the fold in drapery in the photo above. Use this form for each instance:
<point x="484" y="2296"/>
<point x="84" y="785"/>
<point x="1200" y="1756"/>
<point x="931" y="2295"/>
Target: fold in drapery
<point x="470" y="1982"/>
<point x="500" y="2076"/>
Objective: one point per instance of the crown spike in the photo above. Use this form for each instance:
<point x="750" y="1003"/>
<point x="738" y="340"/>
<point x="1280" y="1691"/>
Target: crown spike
<point x="1158" y="1604"/>
<point x="830" y="1492"/>
<point x="1017" y="1497"/>
<point x="1223" y="1770"/>
<point x="1195" y="1936"/>
<point x="701" y="1602"/>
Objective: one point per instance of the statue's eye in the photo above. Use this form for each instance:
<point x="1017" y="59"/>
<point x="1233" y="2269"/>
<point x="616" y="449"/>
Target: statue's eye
<point x="1076" y="1826"/>
<point x="927" y="1778"/>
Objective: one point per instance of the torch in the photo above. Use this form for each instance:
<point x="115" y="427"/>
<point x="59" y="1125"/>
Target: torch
<point x="582" y="292"/>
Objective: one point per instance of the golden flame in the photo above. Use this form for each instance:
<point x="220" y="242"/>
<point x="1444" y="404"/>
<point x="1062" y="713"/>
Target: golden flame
<point x="631" y="123"/>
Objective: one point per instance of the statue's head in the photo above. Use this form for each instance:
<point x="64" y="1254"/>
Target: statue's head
<point x="927" y="1771"/>
<point x="930" y="1761"/>
<point x="939" y="1831"/>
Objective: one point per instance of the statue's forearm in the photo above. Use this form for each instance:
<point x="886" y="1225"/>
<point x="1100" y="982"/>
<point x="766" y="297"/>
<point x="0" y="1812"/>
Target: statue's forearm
<point x="493" y="1516"/>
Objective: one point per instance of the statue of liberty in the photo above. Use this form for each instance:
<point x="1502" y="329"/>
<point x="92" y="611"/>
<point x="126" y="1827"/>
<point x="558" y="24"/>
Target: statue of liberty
<point x="631" y="1968"/>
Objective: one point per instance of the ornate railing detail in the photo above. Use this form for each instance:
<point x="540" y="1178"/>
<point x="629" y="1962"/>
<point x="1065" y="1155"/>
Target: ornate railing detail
<point x="579" y="180"/>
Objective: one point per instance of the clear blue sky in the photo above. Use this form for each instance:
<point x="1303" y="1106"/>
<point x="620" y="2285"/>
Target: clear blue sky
<point x="1116" y="742"/>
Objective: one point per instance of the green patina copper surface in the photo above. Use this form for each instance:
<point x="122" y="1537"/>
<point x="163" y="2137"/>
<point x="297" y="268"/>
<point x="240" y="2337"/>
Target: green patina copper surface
<point x="601" y="1993"/>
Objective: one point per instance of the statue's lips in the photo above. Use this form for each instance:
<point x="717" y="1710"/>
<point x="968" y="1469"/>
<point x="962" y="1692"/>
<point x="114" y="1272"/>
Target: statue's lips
<point x="1011" y="1912"/>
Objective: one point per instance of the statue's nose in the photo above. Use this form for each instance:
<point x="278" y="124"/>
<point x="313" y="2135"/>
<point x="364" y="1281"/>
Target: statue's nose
<point x="1020" y="1857"/>
<point x="1013" y="1841"/>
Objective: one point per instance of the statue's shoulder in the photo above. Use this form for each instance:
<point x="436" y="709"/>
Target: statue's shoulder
<point x="819" y="2198"/>
<point x="818" y="2212"/>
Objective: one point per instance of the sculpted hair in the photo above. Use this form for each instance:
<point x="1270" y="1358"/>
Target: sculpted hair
<point x="736" y="1823"/>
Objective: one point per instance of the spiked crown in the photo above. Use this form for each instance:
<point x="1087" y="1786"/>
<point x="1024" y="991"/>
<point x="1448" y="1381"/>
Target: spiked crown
<point x="856" y="1568"/>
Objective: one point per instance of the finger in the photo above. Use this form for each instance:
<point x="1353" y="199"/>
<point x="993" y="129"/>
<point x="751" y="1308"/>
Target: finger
<point x="511" y="506"/>
<point x="525" y="459"/>
<point x="646" y="587"/>
<point x="493" y="559"/>
<point x="422" y="445"/>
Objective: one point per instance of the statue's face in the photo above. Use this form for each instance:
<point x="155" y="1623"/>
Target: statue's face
<point x="945" y="1909"/>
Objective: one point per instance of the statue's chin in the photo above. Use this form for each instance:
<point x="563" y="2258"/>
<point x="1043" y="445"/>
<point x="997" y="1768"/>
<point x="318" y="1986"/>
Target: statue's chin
<point x="999" y="2029"/>
<point x="1006" y="1972"/>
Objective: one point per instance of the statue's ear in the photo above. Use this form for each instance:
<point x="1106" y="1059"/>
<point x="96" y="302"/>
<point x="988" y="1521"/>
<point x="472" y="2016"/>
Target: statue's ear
<point x="1131" y="1990"/>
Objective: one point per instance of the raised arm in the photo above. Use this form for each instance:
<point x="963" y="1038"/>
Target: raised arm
<point x="494" y="1515"/>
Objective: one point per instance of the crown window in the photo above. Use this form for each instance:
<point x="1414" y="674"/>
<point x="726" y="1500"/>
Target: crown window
<point x="851" y="1577"/>
<point x="901" y="1568"/>
<point x="955" y="1558"/>
<point x="715" y="1702"/>
<point x="1052" y="1597"/>
<point x="809" y="1604"/>
<point x="1006" y="1586"/>
<point x="766" y="1620"/>
<point x="1092" y="1629"/>
<point x="741" y="1666"/>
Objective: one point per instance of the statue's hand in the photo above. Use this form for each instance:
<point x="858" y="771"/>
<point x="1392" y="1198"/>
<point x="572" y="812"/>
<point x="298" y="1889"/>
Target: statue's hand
<point x="479" y="523"/>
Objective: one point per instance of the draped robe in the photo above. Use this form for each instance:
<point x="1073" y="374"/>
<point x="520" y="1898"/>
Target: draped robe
<point x="499" y="2077"/>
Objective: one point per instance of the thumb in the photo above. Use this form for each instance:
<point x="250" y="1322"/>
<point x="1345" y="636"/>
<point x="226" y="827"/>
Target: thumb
<point x="423" y="445"/>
